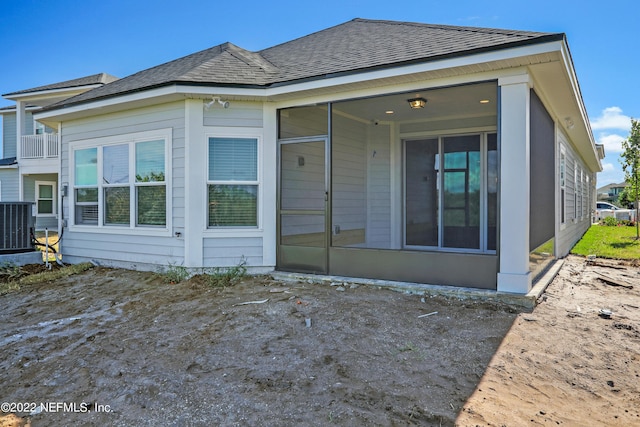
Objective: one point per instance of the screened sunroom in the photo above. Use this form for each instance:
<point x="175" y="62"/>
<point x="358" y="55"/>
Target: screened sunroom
<point x="401" y="186"/>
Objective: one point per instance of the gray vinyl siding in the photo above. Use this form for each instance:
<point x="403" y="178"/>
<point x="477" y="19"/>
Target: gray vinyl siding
<point x="230" y="251"/>
<point x="9" y="185"/>
<point x="379" y="188"/>
<point x="128" y="248"/>
<point x="241" y="114"/>
<point x="122" y="250"/>
<point x="576" y="225"/>
<point x="349" y="174"/>
<point x="8" y="135"/>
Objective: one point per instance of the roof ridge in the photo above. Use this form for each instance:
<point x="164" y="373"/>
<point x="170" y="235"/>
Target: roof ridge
<point x="249" y="58"/>
<point x="484" y="30"/>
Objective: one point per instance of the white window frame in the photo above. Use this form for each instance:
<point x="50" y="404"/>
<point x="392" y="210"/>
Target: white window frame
<point x="440" y="136"/>
<point x="131" y="139"/>
<point x="249" y="231"/>
<point x="53" y="198"/>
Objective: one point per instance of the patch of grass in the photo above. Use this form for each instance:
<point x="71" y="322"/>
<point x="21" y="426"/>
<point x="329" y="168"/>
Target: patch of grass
<point x="10" y="271"/>
<point x="45" y="276"/>
<point x="609" y="242"/>
<point x="174" y="274"/>
<point x="221" y="277"/>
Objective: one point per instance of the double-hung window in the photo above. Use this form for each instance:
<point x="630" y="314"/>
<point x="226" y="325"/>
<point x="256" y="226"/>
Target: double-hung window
<point x="121" y="182"/>
<point x="232" y="182"/>
<point x="45" y="202"/>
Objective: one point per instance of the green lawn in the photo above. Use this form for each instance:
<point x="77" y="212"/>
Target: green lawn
<point x="609" y="242"/>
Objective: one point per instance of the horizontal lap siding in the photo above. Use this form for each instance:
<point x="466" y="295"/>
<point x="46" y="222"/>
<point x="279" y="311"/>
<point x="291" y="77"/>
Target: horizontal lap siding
<point x="230" y="251"/>
<point x="123" y="248"/>
<point x="9" y="185"/>
<point x="129" y="247"/>
<point x="240" y="114"/>
<point x="9" y="135"/>
<point x="349" y="174"/>
<point x="379" y="188"/>
<point x="574" y="227"/>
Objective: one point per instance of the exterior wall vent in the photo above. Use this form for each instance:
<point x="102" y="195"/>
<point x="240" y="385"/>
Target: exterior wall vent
<point x="16" y="223"/>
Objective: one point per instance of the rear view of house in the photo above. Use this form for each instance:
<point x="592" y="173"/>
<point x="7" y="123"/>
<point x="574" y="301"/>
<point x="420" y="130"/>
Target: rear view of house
<point x="403" y="151"/>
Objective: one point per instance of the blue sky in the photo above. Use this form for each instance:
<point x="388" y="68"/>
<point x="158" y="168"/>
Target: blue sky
<point x="43" y="41"/>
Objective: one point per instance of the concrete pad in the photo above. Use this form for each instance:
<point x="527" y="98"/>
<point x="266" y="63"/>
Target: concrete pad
<point x="23" y="258"/>
<point x="523" y="300"/>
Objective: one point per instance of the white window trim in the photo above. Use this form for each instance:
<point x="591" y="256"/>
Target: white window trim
<point x="562" y="178"/>
<point x="576" y="191"/>
<point x="234" y="231"/>
<point x="53" y="198"/>
<point x="165" y="134"/>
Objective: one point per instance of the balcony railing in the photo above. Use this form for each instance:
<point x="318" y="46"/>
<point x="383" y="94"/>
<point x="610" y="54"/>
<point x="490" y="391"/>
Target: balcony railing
<point x="40" y="146"/>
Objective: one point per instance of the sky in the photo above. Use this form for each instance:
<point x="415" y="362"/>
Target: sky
<point x="43" y="41"/>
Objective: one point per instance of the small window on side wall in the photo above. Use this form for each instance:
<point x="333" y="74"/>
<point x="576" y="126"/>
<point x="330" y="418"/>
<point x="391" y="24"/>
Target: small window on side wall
<point x="45" y="200"/>
<point x="232" y="182"/>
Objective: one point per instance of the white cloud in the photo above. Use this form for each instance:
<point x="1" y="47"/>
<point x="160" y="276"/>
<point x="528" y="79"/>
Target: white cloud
<point x="612" y="142"/>
<point x="607" y="167"/>
<point x="612" y="118"/>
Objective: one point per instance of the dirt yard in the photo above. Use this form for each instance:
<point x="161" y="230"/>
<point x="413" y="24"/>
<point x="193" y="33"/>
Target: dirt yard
<point x="121" y="348"/>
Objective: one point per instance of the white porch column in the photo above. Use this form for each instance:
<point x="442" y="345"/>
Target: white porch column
<point x="20" y="126"/>
<point x="195" y="165"/>
<point x="20" y="130"/>
<point x="269" y="180"/>
<point x="514" y="274"/>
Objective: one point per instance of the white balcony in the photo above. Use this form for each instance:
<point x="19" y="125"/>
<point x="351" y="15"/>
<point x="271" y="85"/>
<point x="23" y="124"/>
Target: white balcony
<point x="42" y="146"/>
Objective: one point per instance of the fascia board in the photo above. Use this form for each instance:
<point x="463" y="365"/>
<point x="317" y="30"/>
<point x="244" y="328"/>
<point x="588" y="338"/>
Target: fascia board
<point x="577" y="96"/>
<point x="50" y="93"/>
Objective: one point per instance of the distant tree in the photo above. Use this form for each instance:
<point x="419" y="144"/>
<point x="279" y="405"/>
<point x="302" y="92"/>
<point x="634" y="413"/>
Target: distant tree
<point x="626" y="198"/>
<point x="630" y="159"/>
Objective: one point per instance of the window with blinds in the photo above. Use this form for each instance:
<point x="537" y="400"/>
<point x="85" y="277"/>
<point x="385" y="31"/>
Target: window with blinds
<point x="232" y="182"/>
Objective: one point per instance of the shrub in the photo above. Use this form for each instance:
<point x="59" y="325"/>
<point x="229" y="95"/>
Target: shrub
<point x="610" y="221"/>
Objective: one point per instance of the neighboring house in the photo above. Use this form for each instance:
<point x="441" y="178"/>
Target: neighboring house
<point x="611" y="192"/>
<point x="29" y="162"/>
<point x="389" y="150"/>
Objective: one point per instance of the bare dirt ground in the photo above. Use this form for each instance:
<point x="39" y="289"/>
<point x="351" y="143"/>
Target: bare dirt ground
<point x="114" y="347"/>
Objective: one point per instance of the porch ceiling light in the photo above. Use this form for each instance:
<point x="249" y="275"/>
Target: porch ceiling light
<point x="417" y="102"/>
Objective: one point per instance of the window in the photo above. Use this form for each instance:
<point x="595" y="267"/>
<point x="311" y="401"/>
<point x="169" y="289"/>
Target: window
<point x="562" y="172"/>
<point x="45" y="200"/>
<point x="150" y="187"/>
<point x="86" y="186"/>
<point x="38" y="128"/>
<point x="576" y="192"/>
<point x="122" y="182"/>
<point x="451" y="192"/>
<point x="232" y="182"/>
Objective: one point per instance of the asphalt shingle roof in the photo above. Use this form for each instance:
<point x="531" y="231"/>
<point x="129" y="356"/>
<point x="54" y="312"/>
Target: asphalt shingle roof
<point x="101" y="78"/>
<point x="8" y="161"/>
<point x="353" y="46"/>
